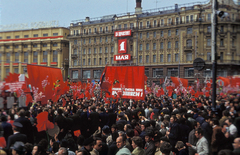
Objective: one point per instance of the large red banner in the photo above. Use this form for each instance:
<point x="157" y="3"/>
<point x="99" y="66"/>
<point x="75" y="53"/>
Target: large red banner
<point x="38" y="75"/>
<point x="127" y="82"/>
<point x="122" y="46"/>
<point x="124" y="33"/>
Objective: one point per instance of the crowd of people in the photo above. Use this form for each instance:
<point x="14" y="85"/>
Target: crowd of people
<point x="155" y="126"/>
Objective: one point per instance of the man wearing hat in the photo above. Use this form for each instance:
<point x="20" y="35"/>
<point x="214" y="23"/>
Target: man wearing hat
<point x="18" y="148"/>
<point x="17" y="136"/>
<point x="87" y="146"/>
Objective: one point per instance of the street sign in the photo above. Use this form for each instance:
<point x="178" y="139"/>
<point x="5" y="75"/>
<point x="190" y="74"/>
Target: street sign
<point x="199" y="64"/>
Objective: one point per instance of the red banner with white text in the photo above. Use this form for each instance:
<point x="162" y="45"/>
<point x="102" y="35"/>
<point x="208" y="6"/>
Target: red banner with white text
<point x="126" y="82"/>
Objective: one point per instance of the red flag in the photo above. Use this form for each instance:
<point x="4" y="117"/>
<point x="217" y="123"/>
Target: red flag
<point x="184" y="82"/>
<point x="225" y="80"/>
<point x="43" y="123"/>
<point x="77" y="133"/>
<point x="175" y="81"/>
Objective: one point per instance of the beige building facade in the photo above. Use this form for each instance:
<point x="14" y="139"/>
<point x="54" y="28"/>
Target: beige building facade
<point x="43" y="46"/>
<point x="166" y="41"/>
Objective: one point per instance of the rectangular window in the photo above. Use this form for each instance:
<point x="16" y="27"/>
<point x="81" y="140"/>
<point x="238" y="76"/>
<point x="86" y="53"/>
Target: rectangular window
<point x="25" y="57"/>
<point x="26" y="36"/>
<point x="106" y="49"/>
<point x="176" y="57"/>
<point x="154" y="58"/>
<point x="100" y="39"/>
<point x="221" y="42"/>
<point x="95" y="50"/>
<point x="161" y="45"/>
<point x="84" y="31"/>
<point x="172" y="72"/>
<point x="16" y="37"/>
<point x="45" y="34"/>
<point x="207" y="73"/>
<point x="191" y="18"/>
<point x="86" y="74"/>
<point x="131" y="25"/>
<point x="111" y="60"/>
<point x="176" y="44"/>
<point x="106" y="39"/>
<point x="84" y="51"/>
<point x="8" y="57"/>
<point x="154" y="34"/>
<point x="125" y="26"/>
<point x="112" y="28"/>
<point x="148" y="24"/>
<point x="89" y="51"/>
<point x="208" y="42"/>
<point x="89" y="31"/>
<point x="140" y="47"/>
<point x="100" y="49"/>
<point x="8" y="37"/>
<point x="119" y="27"/>
<point x="95" y="40"/>
<point x="147" y="34"/>
<point x="89" y="61"/>
<point x="189" y="30"/>
<point x="147" y="72"/>
<point x="233" y="42"/>
<point x="189" y="56"/>
<point x="35" y="35"/>
<point x="97" y="74"/>
<point x="147" y="46"/>
<point x="169" y="21"/>
<point x="84" y="63"/>
<point x="84" y="41"/>
<point x="55" y="56"/>
<point x="95" y="30"/>
<point x="75" y="74"/>
<point x="155" y="23"/>
<point x="100" y="61"/>
<point x="147" y="58"/>
<point x="209" y="16"/>
<point x="75" y="51"/>
<point x="169" y="58"/>
<point x="154" y="46"/>
<point x="15" y="70"/>
<point x="16" y="57"/>
<point x="221" y="56"/>
<point x="161" y="57"/>
<point x="112" y="38"/>
<point x="45" y="56"/>
<point x="89" y="40"/>
<point x="209" y="56"/>
<point x="169" y="32"/>
<point x="157" y="72"/>
<point x="176" y="32"/>
<point x="177" y="20"/>
<point x="162" y="22"/>
<point x="140" y="59"/>
<point x="16" y="46"/>
<point x="222" y="29"/>
<point x="55" y="44"/>
<point x="55" y="34"/>
<point x="140" y="35"/>
<point x="106" y="61"/>
<point x="169" y="45"/>
<point x="94" y="61"/>
<point x="161" y="33"/>
<point x="35" y="56"/>
<point x="189" y="72"/>
<point x="187" y="19"/>
<point x="141" y="25"/>
<point x="7" y="71"/>
<point x="209" y="29"/>
<point x="44" y="45"/>
<point x="106" y="29"/>
<point x="112" y="49"/>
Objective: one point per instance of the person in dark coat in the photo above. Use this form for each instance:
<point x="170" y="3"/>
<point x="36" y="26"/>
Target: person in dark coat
<point x="27" y="126"/>
<point x="103" y="117"/>
<point x="181" y="148"/>
<point x="94" y="120"/>
<point x="174" y="134"/>
<point x="207" y="129"/>
<point x="84" y="123"/>
<point x="7" y="128"/>
<point x="60" y="120"/>
<point x="111" y="117"/>
<point x="122" y="119"/>
<point x="17" y="136"/>
<point x="184" y="130"/>
<point x="150" y="145"/>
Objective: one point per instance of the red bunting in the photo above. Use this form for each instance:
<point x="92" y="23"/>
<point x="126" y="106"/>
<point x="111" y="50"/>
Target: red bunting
<point x="43" y="123"/>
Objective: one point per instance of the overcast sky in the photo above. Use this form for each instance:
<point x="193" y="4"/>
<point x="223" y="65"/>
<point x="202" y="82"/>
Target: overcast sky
<point x="65" y="11"/>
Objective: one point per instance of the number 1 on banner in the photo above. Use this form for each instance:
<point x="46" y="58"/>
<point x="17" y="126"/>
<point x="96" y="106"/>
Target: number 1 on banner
<point x="122" y="46"/>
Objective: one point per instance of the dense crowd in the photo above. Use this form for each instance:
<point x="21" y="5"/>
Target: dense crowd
<point x="155" y="126"/>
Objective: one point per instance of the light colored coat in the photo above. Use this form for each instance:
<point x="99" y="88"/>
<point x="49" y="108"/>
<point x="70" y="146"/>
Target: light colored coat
<point x="202" y="146"/>
<point x="138" y="151"/>
<point x="124" y="151"/>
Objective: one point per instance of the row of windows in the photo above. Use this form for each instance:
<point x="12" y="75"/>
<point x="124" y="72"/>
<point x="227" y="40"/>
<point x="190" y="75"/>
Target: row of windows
<point x="27" y="36"/>
<point x="169" y="58"/>
<point x="169" y="45"/>
<point x="87" y="74"/>
<point x="35" y="57"/>
<point x="89" y="50"/>
<point x="34" y="45"/>
<point x="89" y="62"/>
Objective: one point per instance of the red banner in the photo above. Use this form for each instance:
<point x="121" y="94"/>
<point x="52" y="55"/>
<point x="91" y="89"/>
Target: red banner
<point x="123" y="33"/>
<point x="38" y="75"/>
<point x="127" y="82"/>
<point x="122" y="57"/>
<point x="122" y="46"/>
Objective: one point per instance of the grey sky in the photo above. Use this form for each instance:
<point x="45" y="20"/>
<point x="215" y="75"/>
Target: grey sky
<point x="64" y="11"/>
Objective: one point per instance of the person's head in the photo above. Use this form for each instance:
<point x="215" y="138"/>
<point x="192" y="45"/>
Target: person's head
<point x="229" y="121"/>
<point x="236" y="143"/>
<point x="35" y="149"/>
<point x="173" y="119"/>
<point x="97" y="144"/>
<point x="114" y="128"/>
<point x="88" y="143"/>
<point x="224" y="127"/>
<point x="199" y="133"/>
<point x="130" y="133"/>
<point x="62" y="151"/>
<point x="165" y="148"/>
<point x="179" y="145"/>
<point x="126" y="127"/>
<point x="137" y="142"/>
<point x="148" y="136"/>
<point x="18" y="148"/>
<point x="121" y="141"/>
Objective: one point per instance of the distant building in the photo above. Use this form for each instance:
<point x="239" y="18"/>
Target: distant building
<point x="43" y="46"/>
<point x="164" y="40"/>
